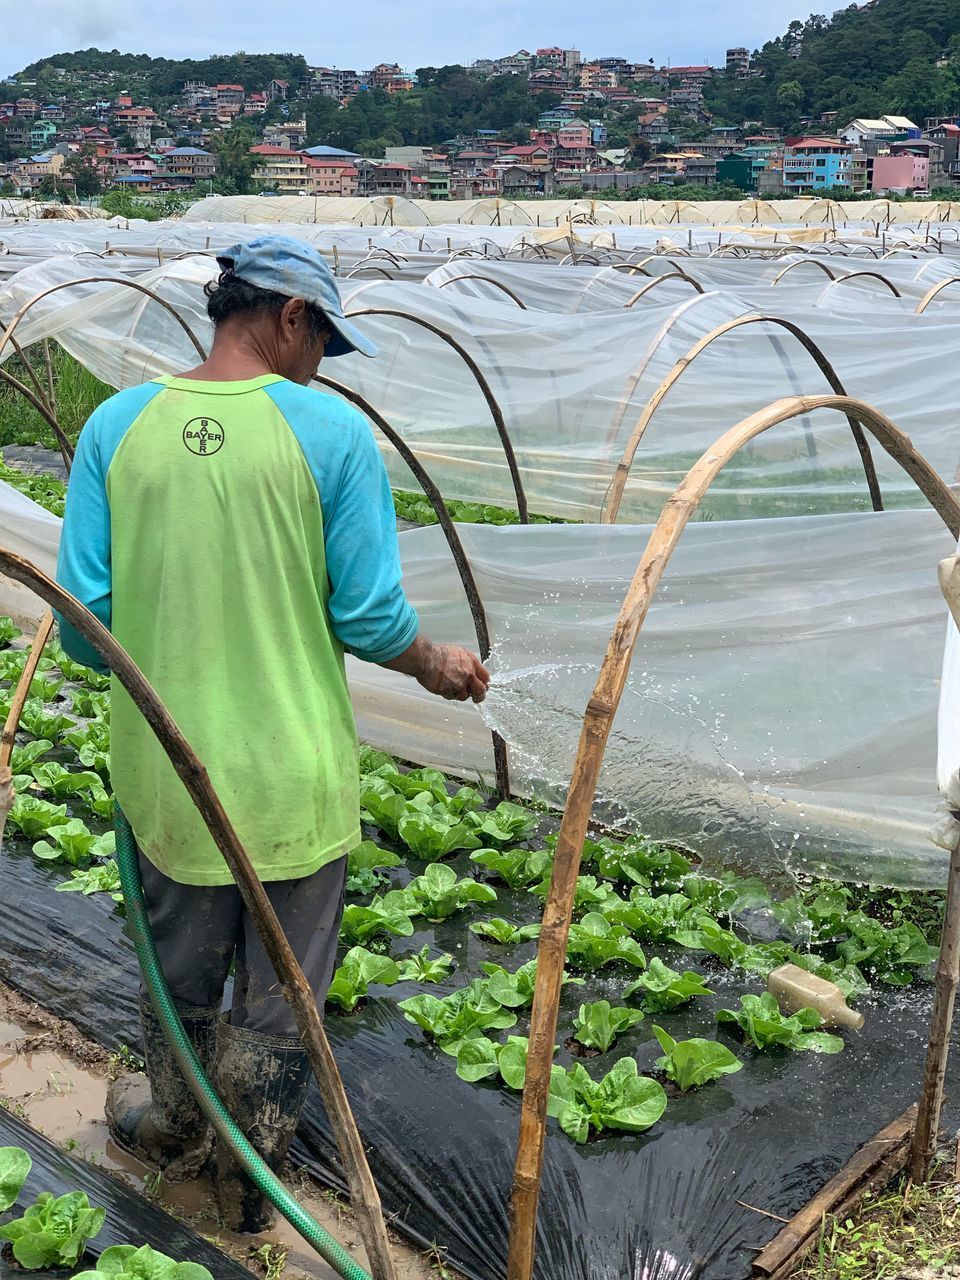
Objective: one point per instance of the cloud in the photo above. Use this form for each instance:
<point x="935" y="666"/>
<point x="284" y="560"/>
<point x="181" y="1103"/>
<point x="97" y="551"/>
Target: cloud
<point x="429" y="32"/>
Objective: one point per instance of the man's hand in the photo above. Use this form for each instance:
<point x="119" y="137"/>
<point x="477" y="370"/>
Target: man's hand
<point x="444" y="669"/>
<point x="455" y="674"/>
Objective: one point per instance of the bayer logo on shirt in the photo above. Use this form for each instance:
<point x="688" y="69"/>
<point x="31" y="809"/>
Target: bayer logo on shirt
<point x="203" y="436"/>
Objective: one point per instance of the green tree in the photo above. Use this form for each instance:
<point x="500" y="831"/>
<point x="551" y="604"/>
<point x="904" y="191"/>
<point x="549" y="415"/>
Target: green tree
<point x="85" y="173"/>
<point x="234" y="161"/>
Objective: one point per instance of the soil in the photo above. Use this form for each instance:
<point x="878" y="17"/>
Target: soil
<point x="56" y="1080"/>
<point x="670" y="1087"/>
<point x="573" y="1045"/>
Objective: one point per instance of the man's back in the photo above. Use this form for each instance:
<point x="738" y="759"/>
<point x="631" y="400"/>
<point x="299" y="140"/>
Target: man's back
<point x="250" y="531"/>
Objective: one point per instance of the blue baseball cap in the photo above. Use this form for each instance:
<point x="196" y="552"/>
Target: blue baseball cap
<point x="297" y="270"/>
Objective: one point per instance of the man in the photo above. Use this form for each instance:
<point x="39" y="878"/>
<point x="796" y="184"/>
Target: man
<point x="236" y="531"/>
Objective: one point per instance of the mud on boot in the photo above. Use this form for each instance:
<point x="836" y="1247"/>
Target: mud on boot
<point x="263" y="1082"/>
<point x="155" y="1117"/>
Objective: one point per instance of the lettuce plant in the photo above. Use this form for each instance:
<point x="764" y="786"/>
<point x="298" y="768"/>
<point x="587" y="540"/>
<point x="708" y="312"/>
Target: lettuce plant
<point x="588" y="892"/>
<point x="663" y="989"/>
<point x="431" y="836"/>
<point x="91" y="743"/>
<point x="8" y="632"/>
<point x="692" y="1063"/>
<point x="890" y="954"/>
<point x="503" y="932"/>
<point x="514" y="990"/>
<point x="621" y="1100"/>
<point x="438" y="894"/>
<point x="481" y="1059"/>
<point x="363" y="865"/>
<point x="652" y="919"/>
<point x="77" y="672"/>
<point x="370" y="761"/>
<point x="23" y="759"/>
<point x="420" y="968"/>
<point x="41" y="723"/>
<point x="378" y="917"/>
<point x="73" y="843"/>
<point x="464" y="1015"/>
<point x="58" y="781"/>
<point x="33" y="816"/>
<point x="517" y="868"/>
<point x="382" y="806"/>
<point x="598" y="1024"/>
<point x="507" y="824"/>
<point x="127" y="1261"/>
<point x="102" y="877"/>
<point x="360" y="967"/>
<point x="54" y="1230"/>
<point x="15" y="1165"/>
<point x="90" y="705"/>
<point x="765" y="1027"/>
<point x="594" y="942"/>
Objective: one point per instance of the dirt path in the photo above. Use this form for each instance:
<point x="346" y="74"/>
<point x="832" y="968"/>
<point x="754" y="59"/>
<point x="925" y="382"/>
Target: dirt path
<point x="56" y="1080"/>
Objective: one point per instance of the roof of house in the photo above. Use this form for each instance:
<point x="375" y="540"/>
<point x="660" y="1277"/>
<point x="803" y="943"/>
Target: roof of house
<point x="188" y="151"/>
<point x="528" y="151"/>
<point x="330" y="151"/>
<point x="818" y="144"/>
<point x="229" y="86"/>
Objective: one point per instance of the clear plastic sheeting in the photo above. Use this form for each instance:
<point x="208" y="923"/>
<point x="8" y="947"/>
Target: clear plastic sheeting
<point x="781" y="709"/>
<point x="361" y="210"/>
<point x="26" y="530"/>
<point x="573" y="386"/>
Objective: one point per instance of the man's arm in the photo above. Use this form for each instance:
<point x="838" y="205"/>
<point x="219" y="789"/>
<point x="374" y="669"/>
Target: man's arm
<point x="368" y="608"/>
<point x="83" y="565"/>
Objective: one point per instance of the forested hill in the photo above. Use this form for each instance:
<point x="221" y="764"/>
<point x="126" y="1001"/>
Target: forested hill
<point x="877" y="59"/>
<point x="162" y="78"/>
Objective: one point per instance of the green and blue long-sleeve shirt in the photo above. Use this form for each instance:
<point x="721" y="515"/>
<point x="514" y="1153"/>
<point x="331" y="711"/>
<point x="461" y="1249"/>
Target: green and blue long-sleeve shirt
<point x="236" y="537"/>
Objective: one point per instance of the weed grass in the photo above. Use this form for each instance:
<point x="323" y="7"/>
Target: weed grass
<point x="76" y="394"/>
<point x="902" y="1233"/>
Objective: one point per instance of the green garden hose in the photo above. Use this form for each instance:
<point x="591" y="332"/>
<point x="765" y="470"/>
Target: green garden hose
<point x="156" y="984"/>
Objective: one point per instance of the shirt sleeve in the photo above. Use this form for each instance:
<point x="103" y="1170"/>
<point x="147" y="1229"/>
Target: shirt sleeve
<point x="83" y="565"/>
<point x="369" y="611"/>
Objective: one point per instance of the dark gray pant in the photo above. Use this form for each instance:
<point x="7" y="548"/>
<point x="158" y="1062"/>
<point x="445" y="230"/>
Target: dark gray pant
<point x="200" y="931"/>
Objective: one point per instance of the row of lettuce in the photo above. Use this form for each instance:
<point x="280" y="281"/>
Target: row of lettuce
<point x="632" y="894"/>
<point x="53" y="1232"/>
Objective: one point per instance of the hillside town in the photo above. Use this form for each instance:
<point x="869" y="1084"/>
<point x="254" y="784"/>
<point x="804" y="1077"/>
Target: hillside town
<point x="606" y="124"/>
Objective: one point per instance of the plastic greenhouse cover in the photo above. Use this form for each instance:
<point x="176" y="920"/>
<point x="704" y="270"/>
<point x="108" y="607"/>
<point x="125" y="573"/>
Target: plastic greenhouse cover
<point x="781" y="710"/>
<point x="130" y="1218"/>
<point x="661" y="1206"/>
<point x="572" y="387"/>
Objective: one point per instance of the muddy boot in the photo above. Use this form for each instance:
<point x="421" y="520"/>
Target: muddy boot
<point x="263" y="1082"/>
<point x="155" y="1116"/>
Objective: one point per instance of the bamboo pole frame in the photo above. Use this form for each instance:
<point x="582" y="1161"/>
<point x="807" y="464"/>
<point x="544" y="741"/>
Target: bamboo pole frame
<point x="296" y="990"/>
<point x="486" y="280"/>
<point x="659" y="279"/>
<point x="597" y="724"/>
<point x="929" y="296"/>
<point x="460" y="559"/>
<point x="802" y="262"/>
<point x="860" y="275"/>
<point x="614" y="496"/>
<point x="492" y="402"/>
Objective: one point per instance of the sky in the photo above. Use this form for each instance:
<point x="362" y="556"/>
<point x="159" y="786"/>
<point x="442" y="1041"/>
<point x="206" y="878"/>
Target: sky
<point x="417" y="33"/>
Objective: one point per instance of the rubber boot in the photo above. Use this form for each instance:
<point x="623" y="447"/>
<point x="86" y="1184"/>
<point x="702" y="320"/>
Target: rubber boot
<point x="263" y="1082"/>
<point x="155" y="1116"/>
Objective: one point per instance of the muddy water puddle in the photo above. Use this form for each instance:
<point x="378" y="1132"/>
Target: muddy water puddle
<point x="57" y="1082"/>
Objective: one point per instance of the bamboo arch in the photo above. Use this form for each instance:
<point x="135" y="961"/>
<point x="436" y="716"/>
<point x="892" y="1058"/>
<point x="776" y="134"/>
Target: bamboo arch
<point x="802" y="262"/>
<point x="492" y="404"/>
<point x="486" y="280"/>
<point x="659" y="279"/>
<point x="929" y="296"/>
<point x="614" y="495"/>
<point x="435" y="498"/>
<point x="597" y="723"/>
<point x="859" y="275"/>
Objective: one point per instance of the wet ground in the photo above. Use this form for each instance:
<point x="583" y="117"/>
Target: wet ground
<point x="56" y="1080"/>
